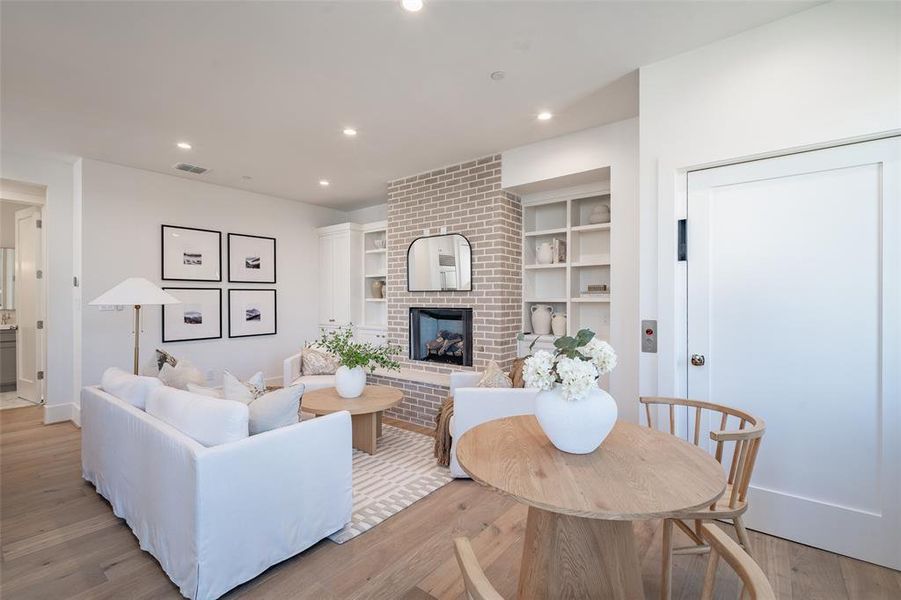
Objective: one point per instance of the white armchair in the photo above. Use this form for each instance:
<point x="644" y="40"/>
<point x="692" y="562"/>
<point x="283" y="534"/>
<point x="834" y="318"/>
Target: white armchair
<point x="292" y="374"/>
<point x="476" y="405"/>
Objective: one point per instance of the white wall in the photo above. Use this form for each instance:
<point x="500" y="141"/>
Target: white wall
<point x="827" y="74"/>
<point x="123" y="209"/>
<point x="8" y="223"/>
<point x="370" y="214"/>
<point x="61" y="392"/>
<point x="616" y="146"/>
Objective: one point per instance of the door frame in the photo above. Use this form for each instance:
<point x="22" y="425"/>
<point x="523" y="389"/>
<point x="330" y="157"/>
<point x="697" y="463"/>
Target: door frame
<point x="32" y="194"/>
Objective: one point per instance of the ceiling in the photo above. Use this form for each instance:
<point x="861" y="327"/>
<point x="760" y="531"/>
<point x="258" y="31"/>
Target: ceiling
<point x="264" y="89"/>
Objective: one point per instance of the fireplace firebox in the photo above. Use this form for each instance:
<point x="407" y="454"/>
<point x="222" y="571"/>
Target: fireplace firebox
<point x="442" y="335"/>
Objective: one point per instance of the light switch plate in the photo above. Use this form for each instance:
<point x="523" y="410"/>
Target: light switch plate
<point x="649" y="336"/>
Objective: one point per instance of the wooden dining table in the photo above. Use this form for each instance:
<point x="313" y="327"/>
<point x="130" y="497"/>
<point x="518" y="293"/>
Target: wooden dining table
<point x="579" y="541"/>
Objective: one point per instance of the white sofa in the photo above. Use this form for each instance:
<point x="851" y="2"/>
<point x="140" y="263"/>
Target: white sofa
<point x="292" y="375"/>
<point x="215" y="517"/>
<point x="475" y="405"/>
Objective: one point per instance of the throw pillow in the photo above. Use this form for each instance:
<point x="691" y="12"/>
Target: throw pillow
<point x="243" y="391"/>
<point x="181" y="375"/>
<point x="316" y="361"/>
<point x="276" y="409"/>
<point x="133" y="389"/>
<point x="516" y="373"/>
<point x="155" y="363"/>
<point x="494" y="377"/>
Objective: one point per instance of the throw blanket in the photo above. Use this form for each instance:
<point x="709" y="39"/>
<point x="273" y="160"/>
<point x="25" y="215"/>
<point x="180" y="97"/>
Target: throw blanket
<point x="442" y="432"/>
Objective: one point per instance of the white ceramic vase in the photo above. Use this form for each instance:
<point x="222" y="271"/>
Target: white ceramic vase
<point x="544" y="253"/>
<point x="541" y="319"/>
<point x="350" y="382"/>
<point x="576" y="426"/>
<point x="558" y="324"/>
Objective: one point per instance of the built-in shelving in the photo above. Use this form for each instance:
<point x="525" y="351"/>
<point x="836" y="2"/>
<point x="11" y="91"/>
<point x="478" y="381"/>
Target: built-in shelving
<point x="566" y="215"/>
<point x="375" y="268"/>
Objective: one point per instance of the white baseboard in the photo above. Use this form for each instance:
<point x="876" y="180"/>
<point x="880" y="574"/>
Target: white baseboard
<point x="57" y="413"/>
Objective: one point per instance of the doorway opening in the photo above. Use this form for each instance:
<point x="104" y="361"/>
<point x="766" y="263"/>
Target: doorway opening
<point x="22" y="302"/>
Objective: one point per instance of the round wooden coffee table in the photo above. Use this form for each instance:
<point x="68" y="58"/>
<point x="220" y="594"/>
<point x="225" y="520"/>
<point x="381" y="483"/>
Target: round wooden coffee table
<point x="365" y="411"/>
<point x="579" y="541"/>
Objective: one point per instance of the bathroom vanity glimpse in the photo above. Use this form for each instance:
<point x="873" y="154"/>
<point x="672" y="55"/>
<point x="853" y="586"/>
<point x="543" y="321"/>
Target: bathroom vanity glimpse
<point x="7" y="358"/>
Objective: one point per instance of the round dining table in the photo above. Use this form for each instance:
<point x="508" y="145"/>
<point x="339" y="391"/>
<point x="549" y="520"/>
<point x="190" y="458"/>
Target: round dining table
<point x="579" y="541"/>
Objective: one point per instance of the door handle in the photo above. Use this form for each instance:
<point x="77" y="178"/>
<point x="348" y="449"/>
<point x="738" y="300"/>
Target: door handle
<point x="698" y="360"/>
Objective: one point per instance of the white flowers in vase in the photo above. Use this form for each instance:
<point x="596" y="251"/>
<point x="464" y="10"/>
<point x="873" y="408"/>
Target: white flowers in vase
<point x="575" y="365"/>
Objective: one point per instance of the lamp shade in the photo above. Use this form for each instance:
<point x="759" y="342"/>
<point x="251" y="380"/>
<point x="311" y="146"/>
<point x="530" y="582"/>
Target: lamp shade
<point x="134" y="290"/>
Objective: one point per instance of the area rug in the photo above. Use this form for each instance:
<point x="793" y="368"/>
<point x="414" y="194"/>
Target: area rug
<point x="401" y="472"/>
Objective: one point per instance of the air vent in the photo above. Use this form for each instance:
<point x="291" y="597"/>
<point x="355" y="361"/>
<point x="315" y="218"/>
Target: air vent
<point x="191" y="168"/>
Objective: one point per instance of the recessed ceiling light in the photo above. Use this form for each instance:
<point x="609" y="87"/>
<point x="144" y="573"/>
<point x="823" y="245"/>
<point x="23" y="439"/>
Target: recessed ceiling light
<point x="324" y="182"/>
<point x="497" y="75"/>
<point x="350" y="131"/>
<point x="184" y="145"/>
<point x="544" y="116"/>
<point x="411" y="5"/>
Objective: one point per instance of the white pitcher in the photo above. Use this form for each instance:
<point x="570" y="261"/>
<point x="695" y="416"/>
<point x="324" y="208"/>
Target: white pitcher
<point x="541" y="319"/>
<point x="544" y="253"/>
<point x="558" y="324"/>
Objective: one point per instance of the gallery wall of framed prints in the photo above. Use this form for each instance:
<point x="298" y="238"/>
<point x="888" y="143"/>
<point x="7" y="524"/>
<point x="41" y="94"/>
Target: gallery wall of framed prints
<point x="193" y="254"/>
<point x="198" y="317"/>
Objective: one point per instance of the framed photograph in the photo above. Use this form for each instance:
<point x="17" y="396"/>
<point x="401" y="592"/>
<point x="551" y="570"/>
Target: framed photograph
<point x="198" y="317"/>
<point x="190" y="254"/>
<point x="251" y="258"/>
<point x="251" y="312"/>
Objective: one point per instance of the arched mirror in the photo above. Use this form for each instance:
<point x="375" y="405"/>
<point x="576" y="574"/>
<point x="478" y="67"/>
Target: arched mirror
<point x="439" y="263"/>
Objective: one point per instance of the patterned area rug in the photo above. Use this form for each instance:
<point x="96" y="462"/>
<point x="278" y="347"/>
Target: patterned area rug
<point x="402" y="471"/>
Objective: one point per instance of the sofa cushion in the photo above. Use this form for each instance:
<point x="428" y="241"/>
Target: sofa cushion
<point x="209" y="421"/>
<point x="181" y="375"/>
<point x="133" y="389"/>
<point x="315" y="382"/>
<point x="278" y="408"/>
<point x="243" y="391"/>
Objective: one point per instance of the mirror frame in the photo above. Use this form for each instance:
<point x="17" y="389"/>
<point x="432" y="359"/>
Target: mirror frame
<point x="424" y="237"/>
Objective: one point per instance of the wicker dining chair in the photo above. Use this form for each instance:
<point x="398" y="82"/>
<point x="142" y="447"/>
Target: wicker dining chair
<point x="732" y="505"/>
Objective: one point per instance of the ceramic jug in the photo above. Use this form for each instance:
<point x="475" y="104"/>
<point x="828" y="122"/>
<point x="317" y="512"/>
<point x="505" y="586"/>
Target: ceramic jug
<point x="558" y="324"/>
<point x="541" y="319"/>
<point x="600" y="214"/>
<point x="544" y="253"/>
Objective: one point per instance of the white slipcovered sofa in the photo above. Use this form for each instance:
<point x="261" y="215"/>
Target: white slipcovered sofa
<point x="215" y="517"/>
<point x="292" y="375"/>
<point x="475" y="405"/>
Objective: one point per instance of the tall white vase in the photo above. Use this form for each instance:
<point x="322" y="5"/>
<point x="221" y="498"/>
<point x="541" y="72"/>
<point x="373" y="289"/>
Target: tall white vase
<point x="541" y="319"/>
<point x="350" y="382"/>
<point x="576" y="426"/>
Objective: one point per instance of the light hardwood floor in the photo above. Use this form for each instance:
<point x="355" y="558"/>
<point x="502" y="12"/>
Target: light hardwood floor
<point x="59" y="539"/>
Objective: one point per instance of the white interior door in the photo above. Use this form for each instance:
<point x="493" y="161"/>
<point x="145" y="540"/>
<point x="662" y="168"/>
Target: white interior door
<point x="793" y="300"/>
<point x="28" y="306"/>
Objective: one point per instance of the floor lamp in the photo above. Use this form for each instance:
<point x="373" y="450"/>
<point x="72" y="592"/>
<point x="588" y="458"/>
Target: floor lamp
<point x="137" y="292"/>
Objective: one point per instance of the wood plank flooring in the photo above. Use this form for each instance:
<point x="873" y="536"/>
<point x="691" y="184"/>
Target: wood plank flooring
<point x="60" y="540"/>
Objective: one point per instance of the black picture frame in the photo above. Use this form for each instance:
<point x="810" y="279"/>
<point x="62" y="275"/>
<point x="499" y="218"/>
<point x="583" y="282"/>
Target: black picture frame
<point x="231" y="328"/>
<point x="423" y="237"/>
<point x="163" y="273"/>
<point x="274" y="258"/>
<point x="167" y="340"/>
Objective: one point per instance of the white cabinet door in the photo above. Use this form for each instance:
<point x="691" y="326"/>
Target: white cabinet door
<point x="326" y="279"/>
<point x="341" y="293"/>
<point x="376" y="337"/>
<point x="794" y="266"/>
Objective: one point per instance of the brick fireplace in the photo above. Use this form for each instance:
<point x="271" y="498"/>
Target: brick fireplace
<point x="466" y="198"/>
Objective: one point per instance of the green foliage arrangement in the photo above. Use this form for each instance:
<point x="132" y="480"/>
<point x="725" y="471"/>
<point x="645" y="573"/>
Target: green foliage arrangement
<point x="353" y="354"/>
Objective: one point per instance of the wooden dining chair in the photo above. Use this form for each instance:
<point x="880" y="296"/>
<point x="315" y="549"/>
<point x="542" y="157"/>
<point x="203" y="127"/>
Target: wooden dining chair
<point x="477" y="585"/>
<point x="754" y="582"/>
<point x="745" y="442"/>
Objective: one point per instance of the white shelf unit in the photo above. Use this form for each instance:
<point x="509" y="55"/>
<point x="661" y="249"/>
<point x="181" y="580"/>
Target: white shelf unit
<point x="375" y="268"/>
<point x="564" y="214"/>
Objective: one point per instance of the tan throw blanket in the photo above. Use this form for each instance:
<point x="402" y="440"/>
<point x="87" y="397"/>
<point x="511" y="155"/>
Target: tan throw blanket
<point x="442" y="432"/>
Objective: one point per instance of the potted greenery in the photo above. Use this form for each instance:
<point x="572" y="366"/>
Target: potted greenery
<point x="355" y="357"/>
<point x="573" y="411"/>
